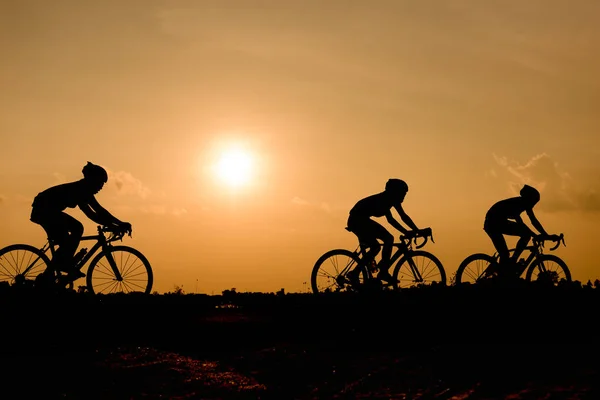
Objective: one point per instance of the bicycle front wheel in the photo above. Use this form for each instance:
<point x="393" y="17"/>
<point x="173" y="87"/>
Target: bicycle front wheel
<point x="420" y="268"/>
<point x="330" y="271"/>
<point x="548" y="267"/>
<point x="472" y="269"/>
<point x="21" y="263"/>
<point x="133" y="267"/>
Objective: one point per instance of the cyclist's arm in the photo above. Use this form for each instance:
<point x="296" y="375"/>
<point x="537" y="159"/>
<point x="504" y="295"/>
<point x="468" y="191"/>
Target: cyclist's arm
<point x="405" y="218"/>
<point x="520" y="221"/>
<point x="535" y="222"/>
<point x="395" y="223"/>
<point x="94" y="211"/>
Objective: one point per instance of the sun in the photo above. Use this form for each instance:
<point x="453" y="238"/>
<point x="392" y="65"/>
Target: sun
<point x="234" y="167"/>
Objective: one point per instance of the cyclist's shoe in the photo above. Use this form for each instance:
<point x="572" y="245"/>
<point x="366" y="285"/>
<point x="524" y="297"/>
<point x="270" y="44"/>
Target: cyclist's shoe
<point x="75" y="274"/>
<point x="385" y="276"/>
<point x="354" y="277"/>
<point x="509" y="270"/>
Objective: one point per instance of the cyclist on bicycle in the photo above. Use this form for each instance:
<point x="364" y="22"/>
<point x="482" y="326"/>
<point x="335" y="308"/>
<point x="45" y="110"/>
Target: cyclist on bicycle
<point x="504" y="218"/>
<point x="368" y="231"/>
<point x="48" y="211"/>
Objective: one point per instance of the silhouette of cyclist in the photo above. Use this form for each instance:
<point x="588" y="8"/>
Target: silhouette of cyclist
<point x="369" y="231"/>
<point x="504" y="218"/>
<point x="48" y="211"/>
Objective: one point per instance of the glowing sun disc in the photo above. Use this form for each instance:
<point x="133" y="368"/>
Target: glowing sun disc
<point x="234" y="167"/>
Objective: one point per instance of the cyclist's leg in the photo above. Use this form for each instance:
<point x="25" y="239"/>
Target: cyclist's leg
<point x="75" y="229"/>
<point x="525" y="234"/>
<point x="362" y="228"/>
<point x="65" y="231"/>
<point x="379" y="232"/>
<point x="512" y="228"/>
<point x="53" y="230"/>
<point x="494" y="230"/>
<point x="373" y="232"/>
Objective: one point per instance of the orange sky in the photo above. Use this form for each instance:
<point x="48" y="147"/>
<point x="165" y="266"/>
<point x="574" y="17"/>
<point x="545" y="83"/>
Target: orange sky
<point x="464" y="100"/>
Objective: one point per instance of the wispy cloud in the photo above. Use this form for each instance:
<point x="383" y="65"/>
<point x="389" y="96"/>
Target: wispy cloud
<point x="560" y="191"/>
<point x="152" y="202"/>
<point x="163" y="210"/>
<point x="59" y="178"/>
<point x="297" y="201"/>
<point x="300" y="202"/>
<point x="127" y="184"/>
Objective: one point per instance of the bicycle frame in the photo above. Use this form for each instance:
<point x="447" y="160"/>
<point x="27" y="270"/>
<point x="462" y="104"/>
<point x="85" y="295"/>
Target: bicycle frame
<point x="403" y="248"/>
<point x="535" y="249"/>
<point x="102" y="242"/>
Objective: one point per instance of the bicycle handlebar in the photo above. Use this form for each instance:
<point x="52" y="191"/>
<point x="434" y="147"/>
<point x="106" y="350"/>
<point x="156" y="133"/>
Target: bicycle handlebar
<point x="558" y="239"/>
<point x="425" y="233"/>
<point x="115" y="234"/>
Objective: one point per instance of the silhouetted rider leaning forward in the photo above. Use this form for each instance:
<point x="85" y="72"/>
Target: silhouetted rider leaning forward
<point x="369" y="231"/>
<point x="504" y="218"/>
<point x="48" y="211"/>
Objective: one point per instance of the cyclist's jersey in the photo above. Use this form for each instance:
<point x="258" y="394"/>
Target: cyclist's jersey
<point x="57" y="198"/>
<point x="376" y="205"/>
<point x="506" y="209"/>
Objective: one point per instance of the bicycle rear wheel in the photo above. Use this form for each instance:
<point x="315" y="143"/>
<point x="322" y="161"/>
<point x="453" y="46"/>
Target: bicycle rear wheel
<point x="427" y="265"/>
<point x="473" y="268"/>
<point x="21" y="264"/>
<point x="330" y="271"/>
<point x="135" y="270"/>
<point x="550" y="268"/>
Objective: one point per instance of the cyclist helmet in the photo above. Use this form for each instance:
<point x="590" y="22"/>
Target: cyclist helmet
<point x="94" y="172"/>
<point x="394" y="185"/>
<point x="530" y="193"/>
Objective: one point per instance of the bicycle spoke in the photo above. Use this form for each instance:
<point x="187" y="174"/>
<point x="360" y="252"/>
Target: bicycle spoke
<point x="473" y="268"/>
<point x="134" y="271"/>
<point x="429" y="270"/>
<point x="126" y="268"/>
<point x="420" y="268"/>
<point x="108" y="284"/>
<point x="477" y="271"/>
<point x="549" y="268"/>
<point x="131" y="276"/>
<point x="129" y="285"/>
<point x="6" y="269"/>
<point x="130" y="271"/>
<point x="329" y="272"/>
<point x="21" y="260"/>
<point x="106" y="270"/>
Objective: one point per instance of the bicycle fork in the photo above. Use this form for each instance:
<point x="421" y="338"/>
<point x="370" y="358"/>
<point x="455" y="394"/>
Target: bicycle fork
<point x="413" y="268"/>
<point x="113" y="264"/>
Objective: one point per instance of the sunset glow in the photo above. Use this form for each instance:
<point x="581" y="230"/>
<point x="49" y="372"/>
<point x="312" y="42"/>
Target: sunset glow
<point x="238" y="137"/>
<point x="234" y="167"/>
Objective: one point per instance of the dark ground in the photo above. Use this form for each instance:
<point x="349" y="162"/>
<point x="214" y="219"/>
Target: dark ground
<point x="525" y="342"/>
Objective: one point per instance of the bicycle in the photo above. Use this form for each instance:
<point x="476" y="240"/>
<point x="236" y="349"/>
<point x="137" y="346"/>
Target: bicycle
<point x="414" y="268"/>
<point x="115" y="269"/>
<point x="479" y="266"/>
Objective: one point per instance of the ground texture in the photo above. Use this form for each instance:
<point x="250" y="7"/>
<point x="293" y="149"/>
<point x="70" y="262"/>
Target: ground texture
<point x="436" y="343"/>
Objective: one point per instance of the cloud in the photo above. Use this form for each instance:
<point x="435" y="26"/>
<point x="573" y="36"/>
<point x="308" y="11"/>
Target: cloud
<point x="59" y="178"/>
<point x="163" y="210"/>
<point x="305" y="203"/>
<point x="127" y="184"/>
<point x="2" y="199"/>
<point x="178" y="211"/>
<point x="299" y="202"/>
<point x="560" y="192"/>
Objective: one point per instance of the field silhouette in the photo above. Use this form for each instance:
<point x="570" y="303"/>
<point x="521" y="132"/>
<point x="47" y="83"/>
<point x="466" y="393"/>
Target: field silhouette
<point x="523" y="341"/>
